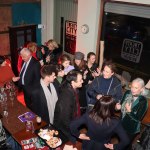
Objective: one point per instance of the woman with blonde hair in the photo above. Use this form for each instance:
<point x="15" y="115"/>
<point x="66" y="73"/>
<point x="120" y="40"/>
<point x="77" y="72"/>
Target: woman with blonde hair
<point x="50" y="52"/>
<point x="133" y="107"/>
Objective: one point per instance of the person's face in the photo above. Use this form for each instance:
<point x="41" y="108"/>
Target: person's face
<point x="66" y="63"/>
<point x="25" y="57"/>
<point x="136" y="88"/>
<point x="51" y="77"/>
<point x="50" y="46"/>
<point x="107" y="72"/>
<point x="78" y="82"/>
<point x="77" y="62"/>
<point x="92" y="59"/>
<point x="61" y="73"/>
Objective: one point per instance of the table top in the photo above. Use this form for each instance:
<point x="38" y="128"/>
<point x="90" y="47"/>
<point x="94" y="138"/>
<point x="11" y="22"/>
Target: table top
<point x="23" y="134"/>
<point x="12" y="123"/>
<point x="17" y="128"/>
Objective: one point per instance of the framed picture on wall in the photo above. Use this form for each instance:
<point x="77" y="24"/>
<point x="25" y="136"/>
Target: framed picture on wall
<point x="70" y="36"/>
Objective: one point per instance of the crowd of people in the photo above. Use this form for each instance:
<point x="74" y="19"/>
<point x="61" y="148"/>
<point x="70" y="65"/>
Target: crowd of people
<point x="70" y="93"/>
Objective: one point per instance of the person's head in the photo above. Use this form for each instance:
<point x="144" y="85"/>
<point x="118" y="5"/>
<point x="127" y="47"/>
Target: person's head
<point x="60" y="70"/>
<point x="52" y="44"/>
<point x="103" y="109"/>
<point x="48" y="73"/>
<point x="91" y="57"/>
<point x="25" y="54"/>
<point x="78" y="58"/>
<point x="65" y="60"/>
<point x="32" y="46"/>
<point x="2" y="60"/>
<point x="137" y="87"/>
<point x="109" y="69"/>
<point x="74" y="78"/>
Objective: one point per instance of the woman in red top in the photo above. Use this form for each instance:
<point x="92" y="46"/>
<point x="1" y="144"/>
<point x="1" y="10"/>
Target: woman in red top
<point x="6" y="73"/>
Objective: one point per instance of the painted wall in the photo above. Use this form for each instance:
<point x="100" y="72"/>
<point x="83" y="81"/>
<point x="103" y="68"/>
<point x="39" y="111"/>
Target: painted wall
<point x="47" y="9"/>
<point x="88" y="13"/>
<point x="29" y="13"/>
<point x="52" y="11"/>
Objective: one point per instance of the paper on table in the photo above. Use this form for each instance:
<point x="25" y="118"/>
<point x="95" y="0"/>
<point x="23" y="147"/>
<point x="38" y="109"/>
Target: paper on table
<point x="26" y="116"/>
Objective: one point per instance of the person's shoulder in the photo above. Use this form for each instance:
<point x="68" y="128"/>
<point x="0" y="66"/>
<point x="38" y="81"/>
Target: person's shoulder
<point x="71" y="67"/>
<point x="143" y="99"/>
<point x="115" y="121"/>
<point x="36" y="88"/>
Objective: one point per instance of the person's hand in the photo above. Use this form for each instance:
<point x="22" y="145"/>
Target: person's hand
<point x="109" y="146"/>
<point x="84" y="74"/>
<point x="42" y="50"/>
<point x="128" y="107"/>
<point x="118" y="106"/>
<point x="98" y="96"/>
<point x="98" y="71"/>
<point x="95" y="74"/>
<point x="84" y="137"/>
<point x="15" y="79"/>
<point x="89" y="82"/>
<point x="48" y="59"/>
<point x="41" y="62"/>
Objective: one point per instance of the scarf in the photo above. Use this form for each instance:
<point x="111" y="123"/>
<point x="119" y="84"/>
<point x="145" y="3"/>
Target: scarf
<point x="129" y="99"/>
<point x="51" y="98"/>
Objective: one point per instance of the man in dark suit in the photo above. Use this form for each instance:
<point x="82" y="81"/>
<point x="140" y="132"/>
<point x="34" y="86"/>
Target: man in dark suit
<point x="29" y="74"/>
<point x="67" y="107"/>
<point x="44" y="95"/>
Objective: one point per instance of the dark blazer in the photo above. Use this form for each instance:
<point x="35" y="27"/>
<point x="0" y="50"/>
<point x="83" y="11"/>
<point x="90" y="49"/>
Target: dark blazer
<point x="39" y="103"/>
<point x="32" y="74"/>
<point x="32" y="77"/>
<point x="64" y="110"/>
<point x="131" y="121"/>
<point x="100" y="134"/>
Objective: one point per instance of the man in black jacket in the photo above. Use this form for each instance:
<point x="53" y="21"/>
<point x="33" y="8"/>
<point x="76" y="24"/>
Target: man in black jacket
<point x="67" y="107"/>
<point x="29" y="74"/>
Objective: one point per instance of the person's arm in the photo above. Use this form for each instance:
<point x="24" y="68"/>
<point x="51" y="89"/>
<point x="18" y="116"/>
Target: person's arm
<point x="119" y="93"/>
<point x="76" y="124"/>
<point x="36" y="75"/>
<point x="123" y="137"/>
<point x="64" y="110"/>
<point x="93" y="87"/>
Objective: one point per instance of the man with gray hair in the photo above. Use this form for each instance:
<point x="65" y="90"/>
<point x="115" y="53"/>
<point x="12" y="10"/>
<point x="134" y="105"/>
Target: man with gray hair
<point x="29" y="74"/>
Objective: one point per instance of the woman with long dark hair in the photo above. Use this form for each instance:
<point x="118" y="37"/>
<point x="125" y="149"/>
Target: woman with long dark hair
<point x="101" y="125"/>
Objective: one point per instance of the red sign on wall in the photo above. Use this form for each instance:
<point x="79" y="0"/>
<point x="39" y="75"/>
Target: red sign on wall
<point x="70" y="36"/>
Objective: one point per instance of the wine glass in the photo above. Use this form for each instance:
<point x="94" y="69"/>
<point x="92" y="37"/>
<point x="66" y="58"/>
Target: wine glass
<point x="12" y="95"/>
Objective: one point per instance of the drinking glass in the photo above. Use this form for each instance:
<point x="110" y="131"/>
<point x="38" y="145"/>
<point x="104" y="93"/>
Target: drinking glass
<point x="38" y="120"/>
<point x="4" y="108"/>
<point x="12" y="95"/>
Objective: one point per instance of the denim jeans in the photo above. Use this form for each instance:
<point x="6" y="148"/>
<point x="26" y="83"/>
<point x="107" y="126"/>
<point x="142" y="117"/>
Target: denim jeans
<point x="12" y="144"/>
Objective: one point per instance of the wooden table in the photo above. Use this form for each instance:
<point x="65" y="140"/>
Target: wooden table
<point x="13" y="125"/>
<point x="23" y="134"/>
<point x="17" y="128"/>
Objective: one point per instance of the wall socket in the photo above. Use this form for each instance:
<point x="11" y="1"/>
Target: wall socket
<point x="41" y="26"/>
